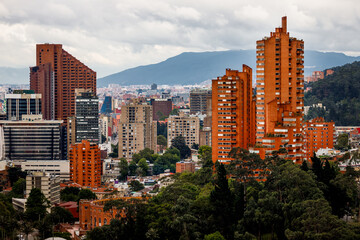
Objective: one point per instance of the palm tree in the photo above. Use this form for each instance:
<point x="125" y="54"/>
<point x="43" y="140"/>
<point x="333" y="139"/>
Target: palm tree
<point x="27" y="228"/>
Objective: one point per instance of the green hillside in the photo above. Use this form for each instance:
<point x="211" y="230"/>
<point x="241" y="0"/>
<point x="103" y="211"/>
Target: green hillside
<point x="340" y="94"/>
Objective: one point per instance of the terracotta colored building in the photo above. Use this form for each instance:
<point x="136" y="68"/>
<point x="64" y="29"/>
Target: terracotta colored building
<point x="92" y="214"/>
<point x="280" y="94"/>
<point x="161" y="108"/>
<point x="42" y="81"/>
<point x="85" y="164"/>
<point x="329" y="72"/>
<point x="68" y="73"/>
<point x="185" y="167"/>
<point x="232" y="110"/>
<point x="317" y="134"/>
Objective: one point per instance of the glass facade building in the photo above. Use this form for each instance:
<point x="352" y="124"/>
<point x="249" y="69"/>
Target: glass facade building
<point x="31" y="140"/>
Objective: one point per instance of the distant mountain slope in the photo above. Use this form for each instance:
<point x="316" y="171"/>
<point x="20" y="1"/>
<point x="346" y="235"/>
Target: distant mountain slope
<point x="14" y="75"/>
<point x="191" y="68"/>
<point x="340" y="94"/>
<point x="186" y="68"/>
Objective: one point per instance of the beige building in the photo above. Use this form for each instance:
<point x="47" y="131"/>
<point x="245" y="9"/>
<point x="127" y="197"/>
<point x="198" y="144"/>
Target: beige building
<point x="186" y="126"/>
<point x="59" y="168"/>
<point x="137" y="130"/>
<point x="48" y="184"/>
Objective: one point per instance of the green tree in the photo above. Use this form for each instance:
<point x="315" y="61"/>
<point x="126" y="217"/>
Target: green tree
<point x="36" y="205"/>
<point x="173" y="151"/>
<point x="195" y="146"/>
<point x="161" y="141"/>
<point x="87" y="194"/>
<point x="115" y="151"/>
<point x="124" y="168"/>
<point x="214" y="236"/>
<point x="316" y="222"/>
<point x="342" y="142"/>
<point x="205" y="155"/>
<point x="27" y="228"/>
<point x="19" y="188"/>
<point x="304" y="166"/>
<point x="97" y="233"/>
<point x="184" y="222"/>
<point x="245" y="164"/>
<point x="14" y="174"/>
<point x="8" y="222"/>
<point x="142" y="164"/>
<point x="180" y="144"/>
<point x="132" y="168"/>
<point x="69" y="194"/>
<point x="221" y="199"/>
<point x="103" y="138"/>
<point x="65" y="235"/>
<point x="175" y="111"/>
<point x="162" y="129"/>
<point x="59" y="215"/>
<point x="136" y="186"/>
<point x="145" y="153"/>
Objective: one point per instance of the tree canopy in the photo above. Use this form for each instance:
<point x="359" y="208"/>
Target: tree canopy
<point x="343" y="107"/>
<point x="180" y="144"/>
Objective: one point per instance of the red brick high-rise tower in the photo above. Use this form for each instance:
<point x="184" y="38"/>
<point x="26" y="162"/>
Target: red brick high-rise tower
<point x="280" y="94"/>
<point x="42" y="81"/>
<point x="233" y="107"/>
<point x="68" y="74"/>
<point x="85" y="164"/>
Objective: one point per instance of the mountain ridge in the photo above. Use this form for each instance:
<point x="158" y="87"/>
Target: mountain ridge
<point x="196" y="67"/>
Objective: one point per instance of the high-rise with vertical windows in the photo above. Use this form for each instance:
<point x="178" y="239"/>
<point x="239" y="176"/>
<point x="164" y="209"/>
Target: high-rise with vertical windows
<point x="232" y="113"/>
<point x="85" y="164"/>
<point x="317" y="134"/>
<point x="137" y="130"/>
<point x="42" y="82"/>
<point x="22" y="102"/>
<point x="185" y="126"/>
<point x="87" y="116"/>
<point x="198" y="100"/>
<point x="280" y="94"/>
<point x="68" y="74"/>
<point x="30" y="140"/>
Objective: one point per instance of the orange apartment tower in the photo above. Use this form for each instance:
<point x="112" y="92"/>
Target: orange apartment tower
<point x="280" y="94"/>
<point x="42" y="81"/>
<point x="68" y="74"/>
<point x="232" y="113"/>
<point x="85" y="164"/>
<point x="317" y="134"/>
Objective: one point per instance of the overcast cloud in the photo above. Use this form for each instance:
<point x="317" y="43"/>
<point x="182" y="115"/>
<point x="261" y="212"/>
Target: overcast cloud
<point x="110" y="36"/>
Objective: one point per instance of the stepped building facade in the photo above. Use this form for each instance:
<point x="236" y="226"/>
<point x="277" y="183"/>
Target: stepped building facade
<point x="233" y="114"/>
<point x="56" y="76"/>
<point x="280" y="94"/>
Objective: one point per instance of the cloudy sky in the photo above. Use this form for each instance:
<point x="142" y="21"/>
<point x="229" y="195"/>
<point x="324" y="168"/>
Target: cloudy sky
<point x="110" y="36"/>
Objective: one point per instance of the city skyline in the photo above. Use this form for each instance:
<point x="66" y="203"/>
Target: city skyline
<point x="110" y="37"/>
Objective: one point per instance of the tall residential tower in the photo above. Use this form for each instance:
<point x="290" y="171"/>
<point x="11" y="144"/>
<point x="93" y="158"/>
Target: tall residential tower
<point x="68" y="74"/>
<point x="280" y="94"/>
<point x="233" y="107"/>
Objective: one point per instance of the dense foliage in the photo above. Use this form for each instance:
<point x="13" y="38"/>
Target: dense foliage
<point x="293" y="203"/>
<point x="180" y="144"/>
<point x="339" y="93"/>
<point x="75" y="194"/>
<point x="139" y="166"/>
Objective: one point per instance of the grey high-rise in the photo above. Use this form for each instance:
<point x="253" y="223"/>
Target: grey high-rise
<point x="198" y="100"/>
<point x="30" y="140"/>
<point x="87" y="116"/>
